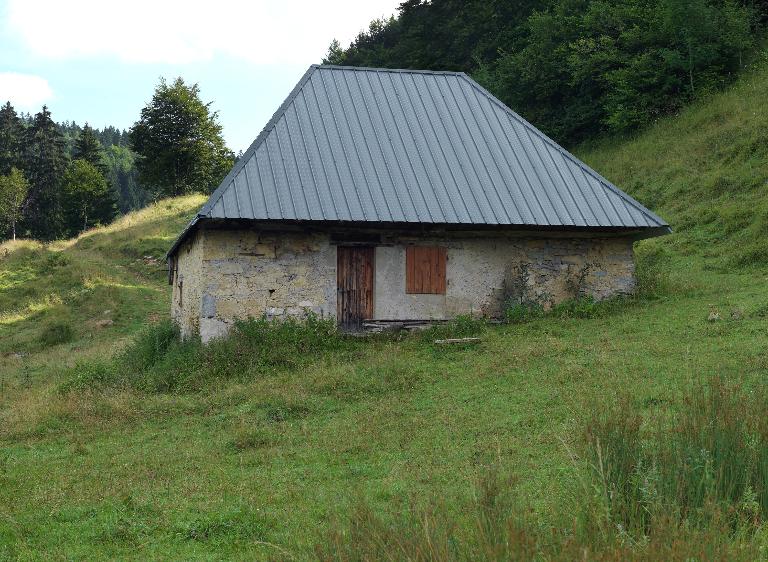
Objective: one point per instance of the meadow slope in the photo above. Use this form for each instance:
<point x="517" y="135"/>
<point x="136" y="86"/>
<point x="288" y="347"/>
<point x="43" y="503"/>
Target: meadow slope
<point x="262" y="464"/>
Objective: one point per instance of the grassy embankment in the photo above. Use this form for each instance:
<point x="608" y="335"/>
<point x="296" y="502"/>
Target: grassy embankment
<point x="252" y="449"/>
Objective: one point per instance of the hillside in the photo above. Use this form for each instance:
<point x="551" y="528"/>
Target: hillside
<point x="274" y="442"/>
<point x="85" y="295"/>
<point x="705" y="171"/>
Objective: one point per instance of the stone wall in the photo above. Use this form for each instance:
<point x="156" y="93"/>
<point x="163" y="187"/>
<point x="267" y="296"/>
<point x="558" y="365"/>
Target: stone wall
<point x="187" y="277"/>
<point x="482" y="272"/>
<point x="245" y="273"/>
<point x="229" y="274"/>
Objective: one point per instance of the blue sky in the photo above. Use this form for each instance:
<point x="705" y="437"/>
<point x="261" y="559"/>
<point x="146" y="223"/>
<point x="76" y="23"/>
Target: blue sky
<point x="99" y="60"/>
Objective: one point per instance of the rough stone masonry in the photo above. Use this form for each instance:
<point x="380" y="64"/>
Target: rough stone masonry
<point x="222" y="275"/>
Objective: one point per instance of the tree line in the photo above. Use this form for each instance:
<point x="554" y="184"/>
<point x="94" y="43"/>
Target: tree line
<point x="59" y="179"/>
<point x="45" y="191"/>
<point x="575" y="68"/>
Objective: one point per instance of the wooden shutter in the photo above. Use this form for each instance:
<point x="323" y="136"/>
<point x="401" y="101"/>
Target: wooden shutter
<point x="425" y="270"/>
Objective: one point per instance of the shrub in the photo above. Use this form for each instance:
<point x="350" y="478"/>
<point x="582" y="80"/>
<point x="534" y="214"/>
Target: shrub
<point x="56" y="333"/>
<point x="517" y="313"/>
<point x="584" y="307"/>
<point x="462" y="326"/>
<point x="88" y="375"/>
<point x="159" y="361"/>
<point x="150" y="346"/>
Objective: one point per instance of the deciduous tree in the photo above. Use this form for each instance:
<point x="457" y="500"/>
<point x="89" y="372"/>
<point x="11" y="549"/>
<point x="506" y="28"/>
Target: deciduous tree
<point x="13" y="192"/>
<point x="87" y="197"/>
<point x="178" y="139"/>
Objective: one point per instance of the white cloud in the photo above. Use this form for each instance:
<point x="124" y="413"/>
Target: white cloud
<point x="25" y="91"/>
<point x="182" y="31"/>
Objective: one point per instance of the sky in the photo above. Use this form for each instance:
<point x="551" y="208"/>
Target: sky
<point x="100" y="60"/>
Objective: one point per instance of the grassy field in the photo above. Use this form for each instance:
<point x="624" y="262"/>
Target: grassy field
<point x="253" y="451"/>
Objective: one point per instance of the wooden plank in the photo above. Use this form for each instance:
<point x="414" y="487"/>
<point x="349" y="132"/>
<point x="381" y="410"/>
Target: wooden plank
<point x="410" y="269"/>
<point x="457" y="340"/>
<point x="442" y="258"/>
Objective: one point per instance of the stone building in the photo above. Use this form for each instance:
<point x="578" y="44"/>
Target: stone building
<point x="377" y="194"/>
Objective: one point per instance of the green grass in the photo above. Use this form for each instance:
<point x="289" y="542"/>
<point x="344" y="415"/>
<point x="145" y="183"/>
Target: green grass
<point x="65" y="301"/>
<point x="705" y="171"/>
<point x="117" y="441"/>
<point x="123" y="472"/>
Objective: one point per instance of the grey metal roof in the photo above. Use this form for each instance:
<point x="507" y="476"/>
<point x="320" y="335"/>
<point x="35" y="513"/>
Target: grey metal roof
<point x="404" y="146"/>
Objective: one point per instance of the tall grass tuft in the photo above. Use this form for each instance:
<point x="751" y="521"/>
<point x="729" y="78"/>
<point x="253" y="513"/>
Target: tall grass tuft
<point x="652" y="267"/>
<point x="704" y="464"/>
<point x="690" y="485"/>
<point x="494" y="526"/>
<point x="159" y="361"/>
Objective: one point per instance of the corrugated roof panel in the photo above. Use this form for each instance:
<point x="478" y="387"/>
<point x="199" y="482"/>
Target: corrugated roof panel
<point x="472" y="142"/>
<point x="504" y="184"/>
<point x="382" y="130"/>
<point x="451" y="175"/>
<point x="468" y="181"/>
<point x="366" y="147"/>
<point x="432" y="156"/>
<point x="379" y="145"/>
<point x="344" y="123"/>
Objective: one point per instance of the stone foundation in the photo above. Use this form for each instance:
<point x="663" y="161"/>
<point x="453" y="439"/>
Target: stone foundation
<point x="222" y="275"/>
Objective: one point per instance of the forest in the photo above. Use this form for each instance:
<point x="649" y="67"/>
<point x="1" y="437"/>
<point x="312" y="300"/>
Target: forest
<point x="57" y="179"/>
<point x="576" y="69"/>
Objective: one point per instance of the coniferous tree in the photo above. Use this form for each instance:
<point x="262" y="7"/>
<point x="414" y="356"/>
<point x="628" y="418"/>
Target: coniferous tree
<point x="123" y="176"/>
<point x="11" y="131"/>
<point x="88" y="148"/>
<point x="13" y="192"/>
<point x="44" y="162"/>
<point x="179" y="142"/>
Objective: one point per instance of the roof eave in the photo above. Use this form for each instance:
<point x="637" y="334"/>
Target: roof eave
<point x="183" y="236"/>
<point x="634" y="232"/>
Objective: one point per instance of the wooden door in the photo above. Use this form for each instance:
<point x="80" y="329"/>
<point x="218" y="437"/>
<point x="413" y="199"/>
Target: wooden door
<point x="354" y="282"/>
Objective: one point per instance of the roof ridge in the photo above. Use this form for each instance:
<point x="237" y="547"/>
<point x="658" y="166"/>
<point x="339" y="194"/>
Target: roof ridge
<point x="381" y="69"/>
<point x="218" y="193"/>
<point x="585" y="167"/>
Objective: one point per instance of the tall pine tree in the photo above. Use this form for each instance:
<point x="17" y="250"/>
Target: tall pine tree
<point x="88" y="148"/>
<point x="11" y="131"/>
<point x="44" y="164"/>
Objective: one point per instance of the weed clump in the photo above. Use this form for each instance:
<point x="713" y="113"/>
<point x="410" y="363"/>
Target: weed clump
<point x="496" y="526"/>
<point x="694" y="486"/>
<point x="234" y="526"/>
<point x="706" y="464"/>
<point x="56" y="333"/>
<point x="158" y="360"/>
<point x="652" y="267"/>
